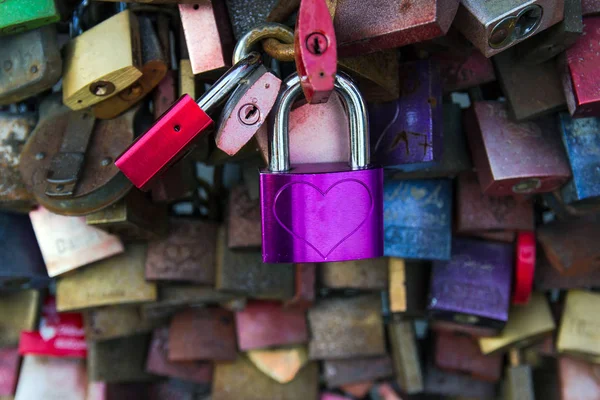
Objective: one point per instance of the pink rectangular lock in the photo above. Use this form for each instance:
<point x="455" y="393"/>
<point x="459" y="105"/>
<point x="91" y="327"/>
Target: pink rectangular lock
<point x="326" y="211"/>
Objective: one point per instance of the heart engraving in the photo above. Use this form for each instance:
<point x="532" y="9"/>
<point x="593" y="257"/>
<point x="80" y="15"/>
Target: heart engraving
<point x="323" y="219"/>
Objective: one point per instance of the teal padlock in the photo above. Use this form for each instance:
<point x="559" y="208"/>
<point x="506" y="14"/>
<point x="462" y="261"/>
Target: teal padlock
<point x="24" y="15"/>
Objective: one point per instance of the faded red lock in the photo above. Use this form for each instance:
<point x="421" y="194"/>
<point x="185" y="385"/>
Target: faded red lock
<point x="315" y="52"/>
<point x="179" y="128"/>
<point x="265" y="324"/>
<point x="514" y="158"/>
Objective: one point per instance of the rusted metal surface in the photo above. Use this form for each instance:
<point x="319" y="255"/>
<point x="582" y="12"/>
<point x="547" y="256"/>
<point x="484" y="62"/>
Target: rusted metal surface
<point x="547" y="277"/>
<point x="101" y="183"/>
<point x="202" y="334"/>
<point x="369" y="274"/>
<point x="346" y="328"/>
<point x="244" y="220"/>
<point x="186" y="254"/>
<point x="158" y="362"/>
<point x="263" y="324"/>
<point x="342" y="372"/>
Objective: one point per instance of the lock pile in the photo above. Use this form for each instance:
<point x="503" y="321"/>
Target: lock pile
<point x="299" y="199"/>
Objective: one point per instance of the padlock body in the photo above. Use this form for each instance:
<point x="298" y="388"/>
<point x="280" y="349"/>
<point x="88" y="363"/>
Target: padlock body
<point x="321" y="212"/>
<point x="20" y="16"/>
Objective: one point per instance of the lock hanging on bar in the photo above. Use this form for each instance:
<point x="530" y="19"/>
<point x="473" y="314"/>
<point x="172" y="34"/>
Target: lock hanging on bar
<point x="307" y="214"/>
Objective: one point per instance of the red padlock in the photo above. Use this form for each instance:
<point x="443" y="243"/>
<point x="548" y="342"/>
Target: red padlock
<point x="172" y="136"/>
<point x="524" y="268"/>
<point x="315" y="50"/>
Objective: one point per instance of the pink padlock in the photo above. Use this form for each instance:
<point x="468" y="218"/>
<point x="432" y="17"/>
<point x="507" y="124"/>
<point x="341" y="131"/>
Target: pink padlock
<point x="323" y="211"/>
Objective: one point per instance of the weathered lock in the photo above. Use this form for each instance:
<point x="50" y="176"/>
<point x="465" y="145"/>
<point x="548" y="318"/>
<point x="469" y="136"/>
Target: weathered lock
<point x="511" y="157"/>
<point x="15" y="129"/>
<point x="417" y="218"/>
<point x="338" y="373"/>
<point x="518" y="381"/>
<point x="68" y="161"/>
<point x="111" y="322"/>
<point x="442" y="383"/>
<point x="231" y="379"/>
<point x="202" y="334"/>
<point x="456" y="352"/>
<point x="363" y="29"/>
<point x="179" y="257"/>
<point x="132" y="218"/>
<point x="174" y="134"/>
<point x="463" y="68"/>
<point x="570" y="245"/>
<point x="22" y="264"/>
<point x="243" y="226"/>
<point x="578" y="333"/>
<point x="187" y="82"/>
<point x="165" y="93"/>
<point x="554" y="40"/>
<point x="407" y="286"/>
<point x="346" y="328"/>
<point x="208" y="36"/>
<point x="578" y="67"/>
<point x="526" y="325"/>
<point x="581" y="143"/>
<point x="263" y="324"/>
<point x="19" y="312"/>
<point x="118" y="360"/>
<point x="370" y="274"/>
<point x="281" y="364"/>
<point x="474" y="287"/>
<point x="455" y="156"/>
<point x="16" y="16"/>
<point x="153" y="67"/>
<point x="304" y="286"/>
<point x="116" y="41"/>
<point x="481" y="215"/>
<point x="547" y="277"/>
<point x="10" y="364"/>
<point x="31" y="63"/>
<point x="158" y="362"/>
<point x="409" y="130"/>
<point x="405" y="354"/>
<point x="47" y="377"/>
<point x="244" y="273"/>
<point x="531" y="90"/>
<point x="578" y="379"/>
<point x="590" y="7"/>
<point x="496" y="27"/>
<point x="68" y="243"/>
<point x="116" y="280"/>
<point x="293" y="230"/>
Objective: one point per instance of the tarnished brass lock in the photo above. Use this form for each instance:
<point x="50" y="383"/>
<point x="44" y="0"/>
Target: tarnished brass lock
<point x="111" y="322"/>
<point x="578" y="334"/>
<point x="30" y="63"/>
<point x="153" y="68"/>
<point x="68" y="163"/>
<point x="405" y="354"/>
<point x="116" y="280"/>
<point x="19" y="16"/>
<point x="116" y="42"/>
<point x="518" y="381"/>
<point x="369" y="274"/>
<point x="19" y="311"/>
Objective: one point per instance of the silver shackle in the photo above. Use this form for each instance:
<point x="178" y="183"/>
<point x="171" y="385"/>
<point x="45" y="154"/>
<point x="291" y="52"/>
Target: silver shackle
<point x="358" y="119"/>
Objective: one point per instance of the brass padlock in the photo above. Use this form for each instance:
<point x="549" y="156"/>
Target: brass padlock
<point x="244" y="273"/>
<point x="346" y="328"/>
<point x="19" y="311"/>
<point x="31" y="63"/>
<point x="407" y="286"/>
<point x="118" y="360"/>
<point x="578" y="334"/>
<point x="526" y="325"/>
<point x="112" y="322"/>
<point x="242" y="380"/>
<point x="15" y="129"/>
<point x="153" y="68"/>
<point x="132" y="218"/>
<point x="51" y="378"/>
<point x="369" y="274"/>
<point x="405" y="354"/>
<point x="68" y="163"/>
<point x="116" y="280"/>
<point x="102" y="62"/>
<point x="68" y="243"/>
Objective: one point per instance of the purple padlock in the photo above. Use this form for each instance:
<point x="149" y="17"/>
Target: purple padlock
<point x="324" y="211"/>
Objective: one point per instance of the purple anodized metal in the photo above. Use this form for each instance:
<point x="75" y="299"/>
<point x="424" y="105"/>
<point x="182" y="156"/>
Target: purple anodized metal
<point x="409" y="130"/>
<point x="326" y="211"/>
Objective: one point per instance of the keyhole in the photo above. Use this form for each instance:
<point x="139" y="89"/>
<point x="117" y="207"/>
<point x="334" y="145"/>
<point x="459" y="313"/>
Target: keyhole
<point x="249" y="114"/>
<point x="316" y="43"/>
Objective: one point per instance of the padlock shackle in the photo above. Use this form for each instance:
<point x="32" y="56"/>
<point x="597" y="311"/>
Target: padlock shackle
<point x="358" y="119"/>
<point x="267" y="30"/>
<point x="221" y="89"/>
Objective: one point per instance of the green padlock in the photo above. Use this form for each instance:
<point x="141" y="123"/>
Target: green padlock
<point x="23" y="15"/>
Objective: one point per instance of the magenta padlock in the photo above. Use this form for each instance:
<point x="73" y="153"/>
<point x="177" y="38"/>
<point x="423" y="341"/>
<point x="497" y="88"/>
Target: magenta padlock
<point x="323" y="211"/>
